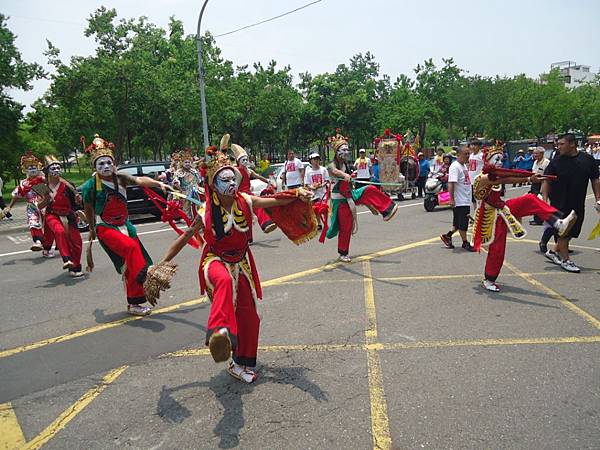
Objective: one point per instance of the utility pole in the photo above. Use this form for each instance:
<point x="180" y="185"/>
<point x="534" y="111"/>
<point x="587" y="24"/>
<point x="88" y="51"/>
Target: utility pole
<point x="201" y="78"/>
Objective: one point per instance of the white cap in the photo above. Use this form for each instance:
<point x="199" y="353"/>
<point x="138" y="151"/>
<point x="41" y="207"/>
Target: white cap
<point x="314" y="155"/>
<point x="362" y="150"/>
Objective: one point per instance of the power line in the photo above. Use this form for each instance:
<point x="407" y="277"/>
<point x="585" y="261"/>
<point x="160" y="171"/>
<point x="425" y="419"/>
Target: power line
<point x="268" y="20"/>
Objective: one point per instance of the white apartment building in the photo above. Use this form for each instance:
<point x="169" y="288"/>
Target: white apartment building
<point x="574" y="74"/>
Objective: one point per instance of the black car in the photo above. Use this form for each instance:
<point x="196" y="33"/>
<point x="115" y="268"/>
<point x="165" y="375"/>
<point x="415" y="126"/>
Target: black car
<point x="137" y="201"/>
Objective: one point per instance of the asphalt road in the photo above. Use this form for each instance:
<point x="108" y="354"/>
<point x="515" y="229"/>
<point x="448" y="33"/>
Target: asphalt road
<point x="400" y="349"/>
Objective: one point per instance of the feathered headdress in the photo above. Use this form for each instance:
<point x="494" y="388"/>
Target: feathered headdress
<point x="29" y="159"/>
<point x="98" y="148"/>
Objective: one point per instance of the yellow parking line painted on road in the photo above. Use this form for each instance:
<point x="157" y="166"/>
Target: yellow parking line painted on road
<point x="95" y="329"/>
<point x="380" y="422"/>
<point x="167" y="309"/>
<point x="272" y="348"/>
<point x="71" y="412"/>
<point x="552" y="293"/>
<point x="11" y="435"/>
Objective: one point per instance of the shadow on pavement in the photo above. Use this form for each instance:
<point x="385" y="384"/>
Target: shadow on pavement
<point x="229" y="393"/>
<point x="62" y="279"/>
<point x="514" y="290"/>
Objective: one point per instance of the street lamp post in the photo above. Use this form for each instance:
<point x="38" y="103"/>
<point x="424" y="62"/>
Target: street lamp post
<point x="201" y="78"/>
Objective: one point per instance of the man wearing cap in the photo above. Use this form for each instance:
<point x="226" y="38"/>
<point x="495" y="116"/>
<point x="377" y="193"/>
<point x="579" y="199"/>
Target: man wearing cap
<point x="540" y="162"/>
<point x="60" y="221"/>
<point x="316" y="178"/>
<point x="363" y="168"/>
<point x="105" y="195"/>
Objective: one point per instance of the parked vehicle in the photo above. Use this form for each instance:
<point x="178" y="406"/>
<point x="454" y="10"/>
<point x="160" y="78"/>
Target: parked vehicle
<point x="137" y="202"/>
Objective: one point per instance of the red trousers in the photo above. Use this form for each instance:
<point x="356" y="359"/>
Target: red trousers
<point x="37" y="235"/>
<point x="129" y="251"/>
<point x="372" y="197"/>
<point x="525" y="205"/>
<point x="262" y="216"/>
<point x="241" y="320"/>
<point x="68" y="240"/>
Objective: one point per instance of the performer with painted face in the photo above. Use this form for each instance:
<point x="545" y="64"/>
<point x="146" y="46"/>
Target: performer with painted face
<point x="495" y="216"/>
<point x="243" y="166"/>
<point x="105" y="195"/>
<point x="343" y="220"/>
<point x="189" y="181"/>
<point x="60" y="222"/>
<point x="227" y="269"/>
<point x="32" y="190"/>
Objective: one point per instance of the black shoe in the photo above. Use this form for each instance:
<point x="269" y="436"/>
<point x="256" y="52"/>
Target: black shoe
<point x="535" y="222"/>
<point x="446" y="240"/>
<point x="543" y="247"/>
<point x="468" y="247"/>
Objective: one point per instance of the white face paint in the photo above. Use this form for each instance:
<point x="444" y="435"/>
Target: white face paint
<point x="226" y="182"/>
<point x="187" y="164"/>
<point x="55" y="170"/>
<point x="32" y="171"/>
<point x="496" y="160"/>
<point x="244" y="161"/>
<point x="105" y="166"/>
<point x="343" y="152"/>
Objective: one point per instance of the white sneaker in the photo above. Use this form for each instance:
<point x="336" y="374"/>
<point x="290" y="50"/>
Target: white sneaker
<point x="570" y="266"/>
<point x="345" y="258"/>
<point x="554" y="257"/>
<point x="491" y="286"/>
<point x="241" y="373"/>
<point x="36" y="247"/>
<point x="138" y="310"/>
<point x="77" y="275"/>
<point x="563" y="226"/>
<point x="48" y="253"/>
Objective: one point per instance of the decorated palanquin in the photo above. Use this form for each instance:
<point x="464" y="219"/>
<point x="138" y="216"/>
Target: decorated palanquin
<point x="388" y="148"/>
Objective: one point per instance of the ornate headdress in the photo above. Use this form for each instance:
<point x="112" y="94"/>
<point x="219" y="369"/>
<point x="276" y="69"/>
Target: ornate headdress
<point x="238" y="151"/>
<point x="98" y="148"/>
<point x="175" y="158"/>
<point x="29" y="159"/>
<point x="337" y="140"/>
<point x="186" y="154"/>
<point x="489" y="152"/>
<point x="216" y="160"/>
<point x="49" y="160"/>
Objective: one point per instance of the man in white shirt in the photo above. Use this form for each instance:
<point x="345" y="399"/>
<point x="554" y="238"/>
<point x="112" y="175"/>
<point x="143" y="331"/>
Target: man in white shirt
<point x="459" y="187"/>
<point x="475" y="163"/>
<point x="293" y="172"/>
<point x="540" y="162"/>
<point x="363" y="167"/>
<point x="316" y="178"/>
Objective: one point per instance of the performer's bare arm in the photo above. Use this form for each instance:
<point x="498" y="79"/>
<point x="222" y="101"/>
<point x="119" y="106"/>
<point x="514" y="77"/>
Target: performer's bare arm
<point x="268" y="202"/>
<point x="90" y="217"/>
<point x="182" y="240"/>
<point x="13" y="200"/>
<point x="335" y="172"/>
<point x="546" y="191"/>
<point x="253" y="174"/>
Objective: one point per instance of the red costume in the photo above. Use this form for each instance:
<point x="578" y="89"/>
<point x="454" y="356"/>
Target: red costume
<point x="264" y="220"/>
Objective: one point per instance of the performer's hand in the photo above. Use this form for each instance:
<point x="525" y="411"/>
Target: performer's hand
<point x="305" y="195"/>
<point x="347" y="178"/>
<point x="537" y="178"/>
<point x="165" y="187"/>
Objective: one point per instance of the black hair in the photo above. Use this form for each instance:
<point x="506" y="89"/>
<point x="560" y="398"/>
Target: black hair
<point x="569" y="137"/>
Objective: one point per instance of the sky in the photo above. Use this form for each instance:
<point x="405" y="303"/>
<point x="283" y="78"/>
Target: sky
<point x="486" y="37"/>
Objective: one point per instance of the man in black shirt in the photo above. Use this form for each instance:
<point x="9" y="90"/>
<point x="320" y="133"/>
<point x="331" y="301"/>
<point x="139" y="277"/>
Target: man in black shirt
<point x="573" y="169"/>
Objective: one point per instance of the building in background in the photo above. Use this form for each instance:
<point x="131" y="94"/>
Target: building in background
<point x="574" y="74"/>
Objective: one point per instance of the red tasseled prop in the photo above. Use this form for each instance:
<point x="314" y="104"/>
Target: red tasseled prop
<point x="496" y="173"/>
<point x="297" y="219"/>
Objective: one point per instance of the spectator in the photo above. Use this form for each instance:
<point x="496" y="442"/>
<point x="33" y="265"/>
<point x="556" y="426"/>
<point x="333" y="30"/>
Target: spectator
<point x="3" y="214"/>
<point x="567" y="193"/>
<point x="519" y="162"/>
<point x="459" y="187"/>
<point x="375" y="176"/>
<point x="529" y="159"/>
<point x="438" y="160"/>
<point x="423" y="173"/>
<point x="505" y="160"/>
<point x="315" y="179"/>
<point x="539" y="166"/>
<point x="596" y="153"/>
<point x="363" y="168"/>
<point x="293" y="173"/>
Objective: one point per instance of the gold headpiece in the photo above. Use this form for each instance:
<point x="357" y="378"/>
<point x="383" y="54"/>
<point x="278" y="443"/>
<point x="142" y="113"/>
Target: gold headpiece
<point x="216" y="160"/>
<point x="29" y="159"/>
<point x="338" y="140"/>
<point x="489" y="152"/>
<point x="49" y="160"/>
<point x="98" y="148"/>
<point x="238" y="151"/>
<point x="186" y="154"/>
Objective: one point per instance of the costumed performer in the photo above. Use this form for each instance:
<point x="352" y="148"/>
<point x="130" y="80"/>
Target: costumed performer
<point x="60" y="219"/>
<point x="189" y="181"/>
<point x="32" y="189"/>
<point x="343" y="219"/>
<point x="105" y="195"/>
<point x="227" y="270"/>
<point x="243" y="166"/>
<point x="495" y="216"/>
